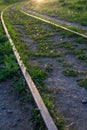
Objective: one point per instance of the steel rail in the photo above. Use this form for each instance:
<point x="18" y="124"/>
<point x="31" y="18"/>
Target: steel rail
<point x="38" y="100"/>
<point x="53" y="23"/>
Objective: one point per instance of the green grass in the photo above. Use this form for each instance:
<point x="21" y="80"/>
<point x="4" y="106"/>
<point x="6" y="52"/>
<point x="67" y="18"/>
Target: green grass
<point x="83" y="82"/>
<point x="19" y="85"/>
<point x="49" y="67"/>
<point x="37" y="120"/>
<point x="70" y="46"/>
<point x="60" y="59"/>
<point x="3" y="38"/>
<point x="67" y="64"/>
<point x="4" y="48"/>
<point x="65" y="33"/>
<point x="81" y="40"/>
<point x="70" y="72"/>
<point x="50" y="103"/>
<point x="5" y="3"/>
<point x="78" y="51"/>
<point x="9" y="68"/>
<point x="38" y="75"/>
<point x="82" y="56"/>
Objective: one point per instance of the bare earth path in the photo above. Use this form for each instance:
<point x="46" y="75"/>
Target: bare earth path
<point x="12" y="114"/>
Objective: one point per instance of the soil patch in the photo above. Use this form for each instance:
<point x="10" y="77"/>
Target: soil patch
<point x="14" y="115"/>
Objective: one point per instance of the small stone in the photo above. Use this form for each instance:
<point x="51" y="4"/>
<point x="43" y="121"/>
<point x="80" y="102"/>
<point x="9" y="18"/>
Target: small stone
<point x="3" y="107"/>
<point x="14" y="124"/>
<point x="18" y="119"/>
<point x="0" y="114"/>
<point x="84" y="101"/>
<point x="9" y="111"/>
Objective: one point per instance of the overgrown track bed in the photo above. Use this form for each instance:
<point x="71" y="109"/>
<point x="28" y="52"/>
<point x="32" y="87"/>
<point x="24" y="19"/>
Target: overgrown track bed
<point x="71" y="27"/>
<point x="57" y="62"/>
<point x="49" y="20"/>
<point x="17" y="107"/>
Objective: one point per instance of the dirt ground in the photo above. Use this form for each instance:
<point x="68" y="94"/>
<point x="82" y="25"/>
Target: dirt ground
<point x="13" y="114"/>
<point x="71" y="99"/>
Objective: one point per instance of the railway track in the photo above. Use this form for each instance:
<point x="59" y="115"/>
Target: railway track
<point x="49" y="21"/>
<point x="42" y="108"/>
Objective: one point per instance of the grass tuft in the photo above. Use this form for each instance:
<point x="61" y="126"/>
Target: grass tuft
<point x="70" y="72"/>
<point x="82" y="82"/>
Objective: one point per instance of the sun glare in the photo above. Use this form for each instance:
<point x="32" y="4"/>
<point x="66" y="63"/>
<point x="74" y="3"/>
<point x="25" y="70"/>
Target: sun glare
<point x="39" y="1"/>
